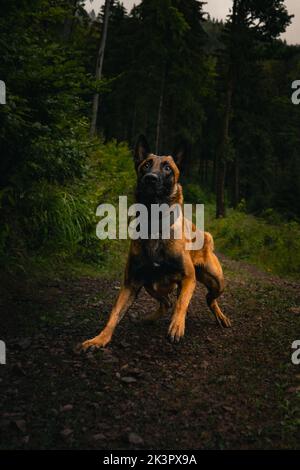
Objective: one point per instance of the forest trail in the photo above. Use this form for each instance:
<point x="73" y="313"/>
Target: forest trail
<point x="218" y="389"/>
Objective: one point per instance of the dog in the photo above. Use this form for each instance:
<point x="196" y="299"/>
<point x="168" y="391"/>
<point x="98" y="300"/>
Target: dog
<point x="164" y="265"/>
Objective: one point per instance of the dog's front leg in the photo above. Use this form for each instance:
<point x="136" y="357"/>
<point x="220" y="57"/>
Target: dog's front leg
<point x="124" y="301"/>
<point x="177" y="326"/>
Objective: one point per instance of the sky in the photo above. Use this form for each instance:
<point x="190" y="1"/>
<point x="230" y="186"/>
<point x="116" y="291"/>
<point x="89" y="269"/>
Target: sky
<point x="220" y="8"/>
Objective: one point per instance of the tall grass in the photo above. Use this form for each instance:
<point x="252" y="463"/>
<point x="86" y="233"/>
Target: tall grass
<point x="53" y="217"/>
<point x="268" y="241"/>
<point x="51" y="223"/>
<point x="56" y="224"/>
<point x="275" y="248"/>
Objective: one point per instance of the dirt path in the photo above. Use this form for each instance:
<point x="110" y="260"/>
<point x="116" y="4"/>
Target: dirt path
<point x="219" y="388"/>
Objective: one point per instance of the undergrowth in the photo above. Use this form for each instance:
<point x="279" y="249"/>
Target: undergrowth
<point x="268" y="241"/>
<point x="53" y="227"/>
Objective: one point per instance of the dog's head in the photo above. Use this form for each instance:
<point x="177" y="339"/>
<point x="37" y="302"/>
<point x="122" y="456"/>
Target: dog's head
<point x="157" y="176"/>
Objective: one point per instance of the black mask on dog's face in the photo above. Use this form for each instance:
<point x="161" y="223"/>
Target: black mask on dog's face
<point x="156" y="175"/>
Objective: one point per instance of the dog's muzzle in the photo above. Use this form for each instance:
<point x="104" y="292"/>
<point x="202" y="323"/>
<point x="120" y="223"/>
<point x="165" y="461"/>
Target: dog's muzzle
<point x="150" y="178"/>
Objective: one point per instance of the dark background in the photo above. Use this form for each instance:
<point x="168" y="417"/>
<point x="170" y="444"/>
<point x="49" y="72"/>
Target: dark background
<point x="220" y="93"/>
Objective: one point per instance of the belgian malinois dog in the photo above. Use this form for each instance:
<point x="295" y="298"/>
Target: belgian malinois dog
<point x="164" y="265"/>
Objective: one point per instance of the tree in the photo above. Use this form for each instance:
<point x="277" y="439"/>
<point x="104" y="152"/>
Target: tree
<point x="99" y="66"/>
<point x="161" y="73"/>
<point x="250" y="22"/>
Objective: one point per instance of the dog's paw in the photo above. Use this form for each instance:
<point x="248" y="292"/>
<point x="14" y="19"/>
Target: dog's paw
<point x="223" y="321"/>
<point x="176" y="330"/>
<point x="226" y="323"/>
<point x="99" y="341"/>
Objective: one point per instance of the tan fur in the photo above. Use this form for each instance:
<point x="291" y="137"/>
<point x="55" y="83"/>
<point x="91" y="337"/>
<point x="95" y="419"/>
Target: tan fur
<point x="199" y="265"/>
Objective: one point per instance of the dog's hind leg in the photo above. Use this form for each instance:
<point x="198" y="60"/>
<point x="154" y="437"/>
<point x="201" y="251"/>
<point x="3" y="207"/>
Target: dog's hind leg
<point x="164" y="304"/>
<point x="211" y="275"/>
<point x="157" y="314"/>
<point x="215" y="309"/>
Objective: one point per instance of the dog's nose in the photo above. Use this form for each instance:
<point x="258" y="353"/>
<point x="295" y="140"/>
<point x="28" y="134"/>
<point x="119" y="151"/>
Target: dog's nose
<point x="150" y="178"/>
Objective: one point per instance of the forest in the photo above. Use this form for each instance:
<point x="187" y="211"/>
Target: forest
<point x="219" y="90"/>
<point x="77" y="88"/>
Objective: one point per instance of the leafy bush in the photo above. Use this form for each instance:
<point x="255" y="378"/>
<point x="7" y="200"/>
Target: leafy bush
<point x="194" y="194"/>
<point x="59" y="221"/>
<point x="245" y="237"/>
<point x="57" y="158"/>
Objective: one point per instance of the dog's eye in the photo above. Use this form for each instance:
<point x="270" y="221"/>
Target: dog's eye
<point x="147" y="165"/>
<point x="167" y="167"/>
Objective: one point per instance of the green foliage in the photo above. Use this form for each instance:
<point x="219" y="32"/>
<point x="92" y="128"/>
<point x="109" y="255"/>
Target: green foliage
<point x="244" y="237"/>
<point x="194" y="194"/>
<point x="59" y="159"/>
<point x="52" y="218"/>
<point x="156" y="51"/>
<point x="110" y="174"/>
<point x="59" y="221"/>
<point x="164" y="69"/>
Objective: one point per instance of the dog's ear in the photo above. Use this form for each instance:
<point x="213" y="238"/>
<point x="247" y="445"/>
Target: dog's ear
<point x="141" y="150"/>
<point x="179" y="154"/>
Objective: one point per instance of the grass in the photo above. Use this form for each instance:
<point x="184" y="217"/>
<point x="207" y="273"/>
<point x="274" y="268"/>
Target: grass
<point x="241" y="236"/>
<point x="268" y="241"/>
<point x="54" y="230"/>
<point x="55" y="227"/>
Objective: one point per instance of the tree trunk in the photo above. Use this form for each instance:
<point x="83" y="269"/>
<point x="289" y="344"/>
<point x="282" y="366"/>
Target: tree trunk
<point x="200" y="170"/>
<point x="220" y="200"/>
<point x="68" y="23"/>
<point x="132" y="136"/>
<point x="213" y="183"/>
<point x="236" y="183"/>
<point x="99" y="67"/>
<point x="221" y="156"/>
<point x="205" y="171"/>
<point x="159" y="114"/>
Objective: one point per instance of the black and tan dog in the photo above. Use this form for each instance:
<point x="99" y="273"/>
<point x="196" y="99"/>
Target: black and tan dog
<point x="160" y="265"/>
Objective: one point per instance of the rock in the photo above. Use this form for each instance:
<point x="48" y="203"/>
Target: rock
<point x="227" y="408"/>
<point x="135" y="439"/>
<point x="135" y="372"/>
<point x="295" y="310"/>
<point x="128" y="380"/>
<point x="66" y="432"/>
<point x="68" y="407"/>
<point x="99" y="437"/>
<point x="294" y="389"/>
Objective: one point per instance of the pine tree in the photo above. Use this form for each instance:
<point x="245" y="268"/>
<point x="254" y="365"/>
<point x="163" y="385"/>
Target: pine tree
<point x="250" y="21"/>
